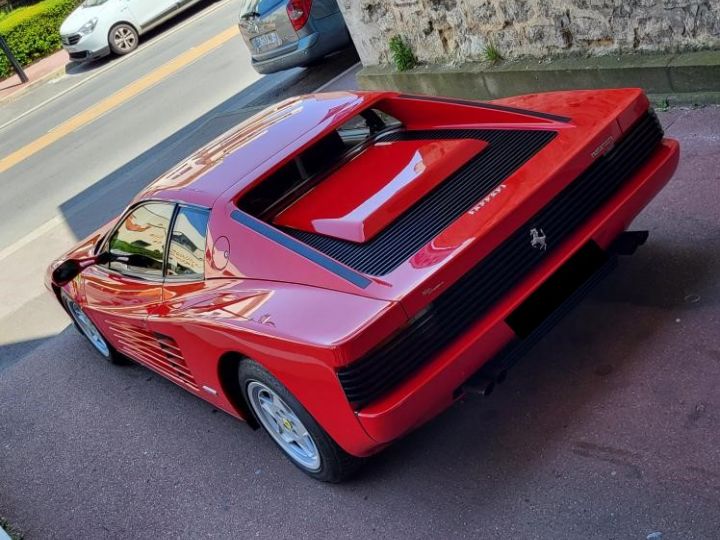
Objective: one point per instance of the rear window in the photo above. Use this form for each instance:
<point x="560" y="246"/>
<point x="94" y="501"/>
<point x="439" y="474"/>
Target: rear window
<point x="361" y="127"/>
<point x="294" y="178"/>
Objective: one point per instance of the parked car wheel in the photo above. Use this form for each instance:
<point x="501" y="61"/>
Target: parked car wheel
<point x="292" y="428"/>
<point x="88" y="329"/>
<point x="123" y="39"/>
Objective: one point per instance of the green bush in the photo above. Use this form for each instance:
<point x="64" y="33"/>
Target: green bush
<point x="33" y="32"/>
<point x="402" y="54"/>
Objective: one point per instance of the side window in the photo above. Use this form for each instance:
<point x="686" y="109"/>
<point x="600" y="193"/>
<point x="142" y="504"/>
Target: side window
<point x="186" y="256"/>
<point x="144" y="233"/>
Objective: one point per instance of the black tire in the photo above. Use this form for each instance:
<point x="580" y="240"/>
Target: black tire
<point x="123" y="39"/>
<point x="106" y="351"/>
<point x="335" y="465"/>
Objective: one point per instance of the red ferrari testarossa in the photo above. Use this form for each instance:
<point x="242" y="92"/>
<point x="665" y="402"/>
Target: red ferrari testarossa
<point x="341" y="267"/>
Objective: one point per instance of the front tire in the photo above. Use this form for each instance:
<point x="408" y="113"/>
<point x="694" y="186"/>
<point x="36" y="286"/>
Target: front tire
<point x="91" y="332"/>
<point x="292" y="428"/>
<point x="123" y="39"/>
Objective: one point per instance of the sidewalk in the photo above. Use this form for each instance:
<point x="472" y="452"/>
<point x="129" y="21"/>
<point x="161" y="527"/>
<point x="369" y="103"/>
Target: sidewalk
<point x="39" y="71"/>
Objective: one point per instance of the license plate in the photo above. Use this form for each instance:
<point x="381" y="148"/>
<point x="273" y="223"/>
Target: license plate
<point x="266" y="41"/>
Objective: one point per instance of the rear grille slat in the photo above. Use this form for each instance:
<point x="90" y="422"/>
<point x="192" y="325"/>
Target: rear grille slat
<point x="460" y="306"/>
<point x="507" y="150"/>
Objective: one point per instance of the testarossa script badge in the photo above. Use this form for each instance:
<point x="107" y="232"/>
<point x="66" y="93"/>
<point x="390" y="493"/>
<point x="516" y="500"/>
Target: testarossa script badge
<point x="489" y="197"/>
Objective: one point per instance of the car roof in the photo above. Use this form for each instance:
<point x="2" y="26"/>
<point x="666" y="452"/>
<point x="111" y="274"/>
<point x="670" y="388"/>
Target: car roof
<point x="238" y="157"/>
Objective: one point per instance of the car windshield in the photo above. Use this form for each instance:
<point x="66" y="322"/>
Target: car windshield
<point x="91" y="3"/>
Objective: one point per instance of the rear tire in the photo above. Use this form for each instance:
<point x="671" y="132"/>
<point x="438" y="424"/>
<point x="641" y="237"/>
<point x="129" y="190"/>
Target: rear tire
<point x="292" y="428"/>
<point x="91" y="332"/>
<point x="123" y="39"/>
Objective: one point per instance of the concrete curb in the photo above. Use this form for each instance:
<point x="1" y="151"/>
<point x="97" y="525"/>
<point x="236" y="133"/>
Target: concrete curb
<point x="679" y="79"/>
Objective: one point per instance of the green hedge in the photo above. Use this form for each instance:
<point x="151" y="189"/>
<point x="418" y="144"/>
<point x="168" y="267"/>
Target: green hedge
<point x="33" y="32"/>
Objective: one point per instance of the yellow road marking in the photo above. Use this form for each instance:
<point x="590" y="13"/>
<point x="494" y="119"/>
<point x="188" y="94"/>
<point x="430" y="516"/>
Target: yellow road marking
<point x="117" y="99"/>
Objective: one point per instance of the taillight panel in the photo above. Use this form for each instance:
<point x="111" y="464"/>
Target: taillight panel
<point x="299" y="12"/>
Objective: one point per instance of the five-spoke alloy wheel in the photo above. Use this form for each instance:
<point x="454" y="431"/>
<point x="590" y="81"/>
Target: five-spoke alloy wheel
<point x="292" y="428"/>
<point x="90" y="331"/>
<point x="283" y="425"/>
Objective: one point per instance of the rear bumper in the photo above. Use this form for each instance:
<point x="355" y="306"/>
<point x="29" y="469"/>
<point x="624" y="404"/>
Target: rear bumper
<point x="434" y="387"/>
<point x="309" y="48"/>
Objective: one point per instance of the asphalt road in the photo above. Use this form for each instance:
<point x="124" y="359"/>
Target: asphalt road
<point x="73" y="152"/>
<point x="609" y="429"/>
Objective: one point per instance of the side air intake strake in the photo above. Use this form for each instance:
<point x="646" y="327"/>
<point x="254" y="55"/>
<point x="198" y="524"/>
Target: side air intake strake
<point x="157" y="350"/>
<point x="464" y="302"/>
<point x="507" y="150"/>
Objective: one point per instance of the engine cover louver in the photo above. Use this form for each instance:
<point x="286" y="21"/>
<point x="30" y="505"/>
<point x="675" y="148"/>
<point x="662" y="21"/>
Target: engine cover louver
<point x="465" y="301"/>
<point x="507" y="150"/>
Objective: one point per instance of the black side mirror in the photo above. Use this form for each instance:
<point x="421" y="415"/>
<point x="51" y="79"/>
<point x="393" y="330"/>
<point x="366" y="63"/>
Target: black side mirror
<point x="67" y="270"/>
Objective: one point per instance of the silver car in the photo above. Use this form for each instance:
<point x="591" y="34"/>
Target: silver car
<point x="282" y="34"/>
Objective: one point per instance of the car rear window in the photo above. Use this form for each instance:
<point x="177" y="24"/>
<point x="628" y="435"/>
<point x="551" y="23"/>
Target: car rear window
<point x="305" y="170"/>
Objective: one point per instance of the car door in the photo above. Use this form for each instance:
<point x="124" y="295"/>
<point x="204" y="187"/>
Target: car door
<point x="152" y="12"/>
<point x="184" y="276"/>
<point x="120" y="296"/>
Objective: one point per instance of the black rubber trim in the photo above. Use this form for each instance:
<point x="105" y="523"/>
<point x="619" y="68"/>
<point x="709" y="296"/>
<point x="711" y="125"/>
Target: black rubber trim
<point x="484" y="105"/>
<point x="301" y="249"/>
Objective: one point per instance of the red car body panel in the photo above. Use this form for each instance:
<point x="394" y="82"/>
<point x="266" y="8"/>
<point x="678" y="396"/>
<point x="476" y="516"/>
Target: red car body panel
<point x="302" y="321"/>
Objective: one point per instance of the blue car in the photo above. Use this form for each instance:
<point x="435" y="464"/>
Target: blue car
<point x="283" y="34"/>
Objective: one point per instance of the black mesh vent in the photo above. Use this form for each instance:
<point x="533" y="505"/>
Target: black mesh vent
<point x="466" y="300"/>
<point x="506" y="151"/>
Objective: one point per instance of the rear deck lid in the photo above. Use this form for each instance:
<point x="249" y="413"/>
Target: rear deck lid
<point x="366" y="194"/>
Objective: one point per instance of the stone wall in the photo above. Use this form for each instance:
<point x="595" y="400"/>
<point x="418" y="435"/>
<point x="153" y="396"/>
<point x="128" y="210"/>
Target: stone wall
<point x="456" y="31"/>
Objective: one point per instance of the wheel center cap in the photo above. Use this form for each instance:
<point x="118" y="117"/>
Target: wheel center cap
<point x="287" y="424"/>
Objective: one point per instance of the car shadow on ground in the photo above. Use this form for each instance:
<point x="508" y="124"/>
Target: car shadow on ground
<point x="12" y="353"/>
<point x="79" y="68"/>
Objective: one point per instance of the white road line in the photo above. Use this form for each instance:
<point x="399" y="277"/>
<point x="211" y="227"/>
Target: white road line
<point x="118" y="61"/>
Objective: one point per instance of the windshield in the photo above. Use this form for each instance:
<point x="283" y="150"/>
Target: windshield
<point x="91" y="3"/>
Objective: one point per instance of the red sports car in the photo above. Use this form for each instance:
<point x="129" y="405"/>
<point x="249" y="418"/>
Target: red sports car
<point x="341" y="267"/>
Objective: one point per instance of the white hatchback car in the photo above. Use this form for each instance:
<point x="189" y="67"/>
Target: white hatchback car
<point x="98" y="27"/>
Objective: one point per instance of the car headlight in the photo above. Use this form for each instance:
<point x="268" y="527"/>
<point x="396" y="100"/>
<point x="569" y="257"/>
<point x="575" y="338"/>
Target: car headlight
<point x="88" y="27"/>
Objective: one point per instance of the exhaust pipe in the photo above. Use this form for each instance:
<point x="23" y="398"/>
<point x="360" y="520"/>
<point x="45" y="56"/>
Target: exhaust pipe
<point x="628" y="242"/>
<point x="479" y="385"/>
